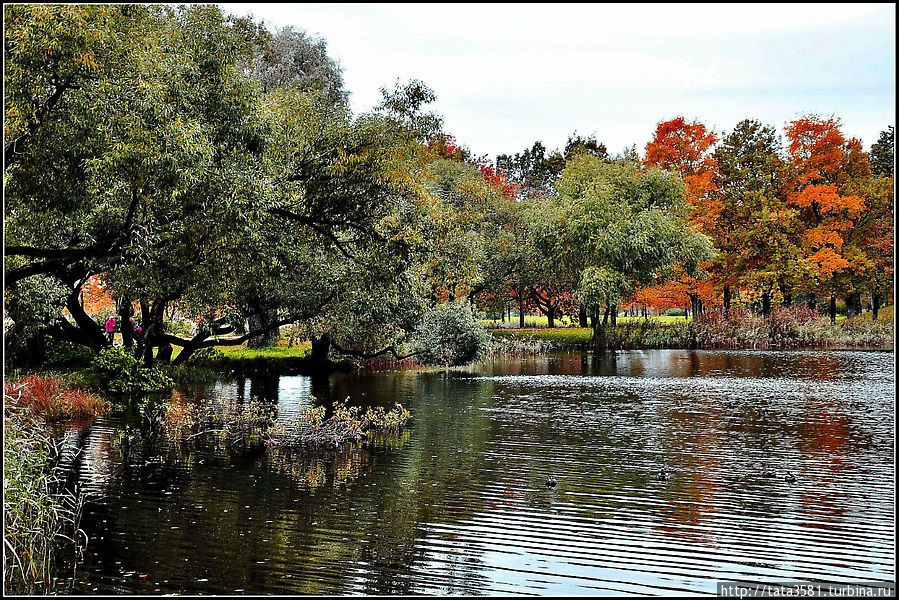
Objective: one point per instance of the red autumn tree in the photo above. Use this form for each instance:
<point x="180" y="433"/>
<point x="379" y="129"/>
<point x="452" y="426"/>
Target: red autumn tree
<point x="684" y="147"/>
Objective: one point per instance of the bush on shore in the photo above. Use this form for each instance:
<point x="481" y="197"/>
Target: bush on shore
<point x="450" y="335"/>
<point x="120" y="371"/>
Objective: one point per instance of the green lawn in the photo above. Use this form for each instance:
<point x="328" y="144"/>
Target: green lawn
<point x="884" y="314"/>
<point x="568" y="335"/>
<point x="280" y="351"/>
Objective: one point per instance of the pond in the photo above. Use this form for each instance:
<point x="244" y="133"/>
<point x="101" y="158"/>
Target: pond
<point x="457" y="503"/>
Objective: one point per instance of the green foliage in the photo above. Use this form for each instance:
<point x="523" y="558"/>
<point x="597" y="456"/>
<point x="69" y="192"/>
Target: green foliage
<point x="120" y="371"/>
<point x="206" y="356"/>
<point x="450" y="335"/>
<point x="33" y="305"/>
<point x="289" y="57"/>
<point x="616" y="228"/>
<point x="883" y="153"/>
<point x="66" y="354"/>
<point x="403" y="108"/>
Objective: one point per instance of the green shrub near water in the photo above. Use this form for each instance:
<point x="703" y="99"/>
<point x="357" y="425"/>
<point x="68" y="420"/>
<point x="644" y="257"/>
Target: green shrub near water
<point x="450" y="335"/>
<point x="205" y="356"/>
<point x="120" y="371"/>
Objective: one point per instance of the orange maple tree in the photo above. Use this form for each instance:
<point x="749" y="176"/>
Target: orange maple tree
<point x="825" y="164"/>
<point x="684" y="147"/>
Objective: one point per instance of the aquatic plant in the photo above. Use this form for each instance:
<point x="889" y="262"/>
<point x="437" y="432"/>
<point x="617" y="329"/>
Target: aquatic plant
<point x="256" y="423"/>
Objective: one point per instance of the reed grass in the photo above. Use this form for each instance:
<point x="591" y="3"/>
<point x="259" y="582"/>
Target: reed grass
<point x="52" y="399"/>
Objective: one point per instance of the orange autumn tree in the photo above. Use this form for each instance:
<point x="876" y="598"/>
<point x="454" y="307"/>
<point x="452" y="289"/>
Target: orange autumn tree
<point x="684" y="147"/>
<point x="826" y="165"/>
<point x="96" y="297"/>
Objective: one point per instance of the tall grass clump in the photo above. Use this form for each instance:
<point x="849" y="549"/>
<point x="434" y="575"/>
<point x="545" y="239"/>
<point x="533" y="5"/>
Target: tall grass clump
<point x="257" y="424"/>
<point x="784" y="327"/>
<point x="36" y="509"/>
<point x="31" y="511"/>
<point x="51" y="399"/>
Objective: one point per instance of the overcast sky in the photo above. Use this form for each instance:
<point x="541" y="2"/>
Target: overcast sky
<point x="507" y="75"/>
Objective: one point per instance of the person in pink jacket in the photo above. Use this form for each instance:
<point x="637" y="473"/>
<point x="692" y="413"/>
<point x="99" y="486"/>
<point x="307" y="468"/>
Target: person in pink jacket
<point x="110" y="329"/>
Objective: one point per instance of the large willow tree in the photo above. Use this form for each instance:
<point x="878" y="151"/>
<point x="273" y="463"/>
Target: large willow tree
<point x="616" y="228"/>
<point x="141" y="144"/>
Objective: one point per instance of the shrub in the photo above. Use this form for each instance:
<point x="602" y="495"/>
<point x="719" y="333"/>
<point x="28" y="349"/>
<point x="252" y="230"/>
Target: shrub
<point x="120" y="371"/>
<point x="63" y="354"/>
<point x="450" y="335"/>
<point x="675" y="312"/>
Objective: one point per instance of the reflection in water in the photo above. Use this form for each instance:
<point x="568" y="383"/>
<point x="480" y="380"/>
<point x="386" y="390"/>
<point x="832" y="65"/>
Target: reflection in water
<point x="457" y="504"/>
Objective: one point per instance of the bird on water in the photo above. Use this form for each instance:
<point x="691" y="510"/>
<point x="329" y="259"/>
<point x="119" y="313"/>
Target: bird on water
<point x="550" y="481"/>
<point x="665" y="473"/>
<point x="789" y="477"/>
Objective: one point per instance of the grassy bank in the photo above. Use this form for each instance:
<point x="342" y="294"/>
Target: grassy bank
<point x="784" y="328"/>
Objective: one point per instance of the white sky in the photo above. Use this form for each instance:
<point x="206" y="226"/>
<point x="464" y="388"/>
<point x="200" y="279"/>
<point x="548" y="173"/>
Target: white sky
<point x="507" y="75"/>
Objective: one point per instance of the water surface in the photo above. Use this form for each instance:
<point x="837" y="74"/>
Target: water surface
<point x="457" y="503"/>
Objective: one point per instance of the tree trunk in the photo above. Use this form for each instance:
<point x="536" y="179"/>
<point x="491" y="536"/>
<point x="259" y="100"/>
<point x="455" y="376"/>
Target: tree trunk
<point x="812" y="302"/>
<point x="766" y="304"/>
<point x="786" y="293"/>
<point x="613" y="313"/>
<point x="726" y="301"/>
<point x="259" y="321"/>
<point x="92" y="332"/>
<point x="582" y="316"/>
<point x="551" y="317"/>
<point x="521" y="310"/>
<point x="320" y="348"/>
<point x="164" y="355"/>
<point x="853" y="304"/>
<point x="833" y="310"/>
<point x="875" y="303"/>
<point x="696" y="304"/>
<point x="125" y="314"/>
